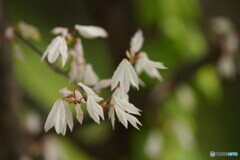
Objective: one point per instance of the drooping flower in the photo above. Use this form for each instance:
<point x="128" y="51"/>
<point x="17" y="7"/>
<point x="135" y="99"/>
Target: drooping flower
<point x="123" y="109"/>
<point x="60" y="31"/>
<point x="94" y="109"/>
<point x="123" y="117"/>
<point x="125" y="75"/>
<point x="150" y="67"/>
<point x="136" y="42"/>
<point x="91" y="31"/>
<point x="57" y="47"/>
<point x="59" y="117"/>
<point x="29" y="31"/>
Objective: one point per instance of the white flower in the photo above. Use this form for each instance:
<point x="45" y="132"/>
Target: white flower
<point x="29" y="31"/>
<point x="125" y="75"/>
<point x="79" y="113"/>
<point x="125" y="117"/>
<point x="57" y="47"/>
<point x="104" y="83"/>
<point x="136" y="42"/>
<point x="123" y="109"/>
<point x="94" y="109"/>
<point x="90" y="78"/>
<point x="60" y="116"/>
<point x="9" y="33"/>
<point x="60" y="31"/>
<point x="150" y="67"/>
<point x="91" y="31"/>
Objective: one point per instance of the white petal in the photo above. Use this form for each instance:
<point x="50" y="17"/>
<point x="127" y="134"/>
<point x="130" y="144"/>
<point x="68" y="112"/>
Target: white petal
<point x="111" y="116"/>
<point x="102" y="84"/>
<point x="60" y="31"/>
<point x="65" y="92"/>
<point x="120" y="94"/>
<point x="126" y="106"/>
<point x="136" y="42"/>
<point x="50" y="119"/>
<point x="68" y="115"/>
<point x="79" y="113"/>
<point x="125" y="75"/>
<point x="78" y="48"/>
<point x="90" y="78"/>
<point x="91" y="31"/>
<point x="121" y="116"/>
<point x="94" y="110"/>
<point x="90" y="92"/>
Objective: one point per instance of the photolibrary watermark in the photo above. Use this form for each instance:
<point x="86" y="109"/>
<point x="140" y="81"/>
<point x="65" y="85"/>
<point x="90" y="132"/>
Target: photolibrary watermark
<point x="228" y="154"/>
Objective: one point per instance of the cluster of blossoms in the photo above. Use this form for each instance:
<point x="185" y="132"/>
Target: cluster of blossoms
<point x="68" y="46"/>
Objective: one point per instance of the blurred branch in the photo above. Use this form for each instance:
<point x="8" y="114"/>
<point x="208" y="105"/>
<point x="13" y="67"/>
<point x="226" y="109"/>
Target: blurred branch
<point x="4" y="24"/>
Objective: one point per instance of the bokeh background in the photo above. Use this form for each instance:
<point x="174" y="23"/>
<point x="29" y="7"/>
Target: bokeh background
<point x="195" y="109"/>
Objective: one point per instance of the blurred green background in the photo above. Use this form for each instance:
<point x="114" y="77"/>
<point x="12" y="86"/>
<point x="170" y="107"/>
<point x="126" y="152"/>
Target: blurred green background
<point x="201" y="114"/>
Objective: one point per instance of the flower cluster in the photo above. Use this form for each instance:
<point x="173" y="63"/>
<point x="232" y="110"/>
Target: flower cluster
<point x="125" y="76"/>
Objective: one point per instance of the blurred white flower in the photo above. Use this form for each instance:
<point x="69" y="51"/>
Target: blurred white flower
<point x="150" y="67"/>
<point x="226" y="67"/>
<point x="184" y="134"/>
<point x="90" y="78"/>
<point x="154" y="145"/>
<point x="57" y="47"/>
<point x="136" y="42"/>
<point x="79" y="53"/>
<point x="79" y="113"/>
<point x="29" y="31"/>
<point x="60" y="31"/>
<point x="33" y="122"/>
<point x="125" y="75"/>
<point x="59" y="117"/>
<point x="91" y="31"/>
<point x="18" y="51"/>
<point x="9" y="33"/>
<point x="104" y="83"/>
<point x="53" y="150"/>
<point x="94" y="109"/>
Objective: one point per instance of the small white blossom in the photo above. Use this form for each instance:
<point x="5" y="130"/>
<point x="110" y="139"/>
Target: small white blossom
<point x="60" y="31"/>
<point x="150" y="67"/>
<point x="57" y="47"/>
<point x="79" y="113"/>
<point x="111" y="116"/>
<point x="59" y="117"/>
<point x="29" y="31"/>
<point x="136" y="42"/>
<point x="125" y="75"/>
<point x="93" y="108"/>
<point x="91" y="31"/>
